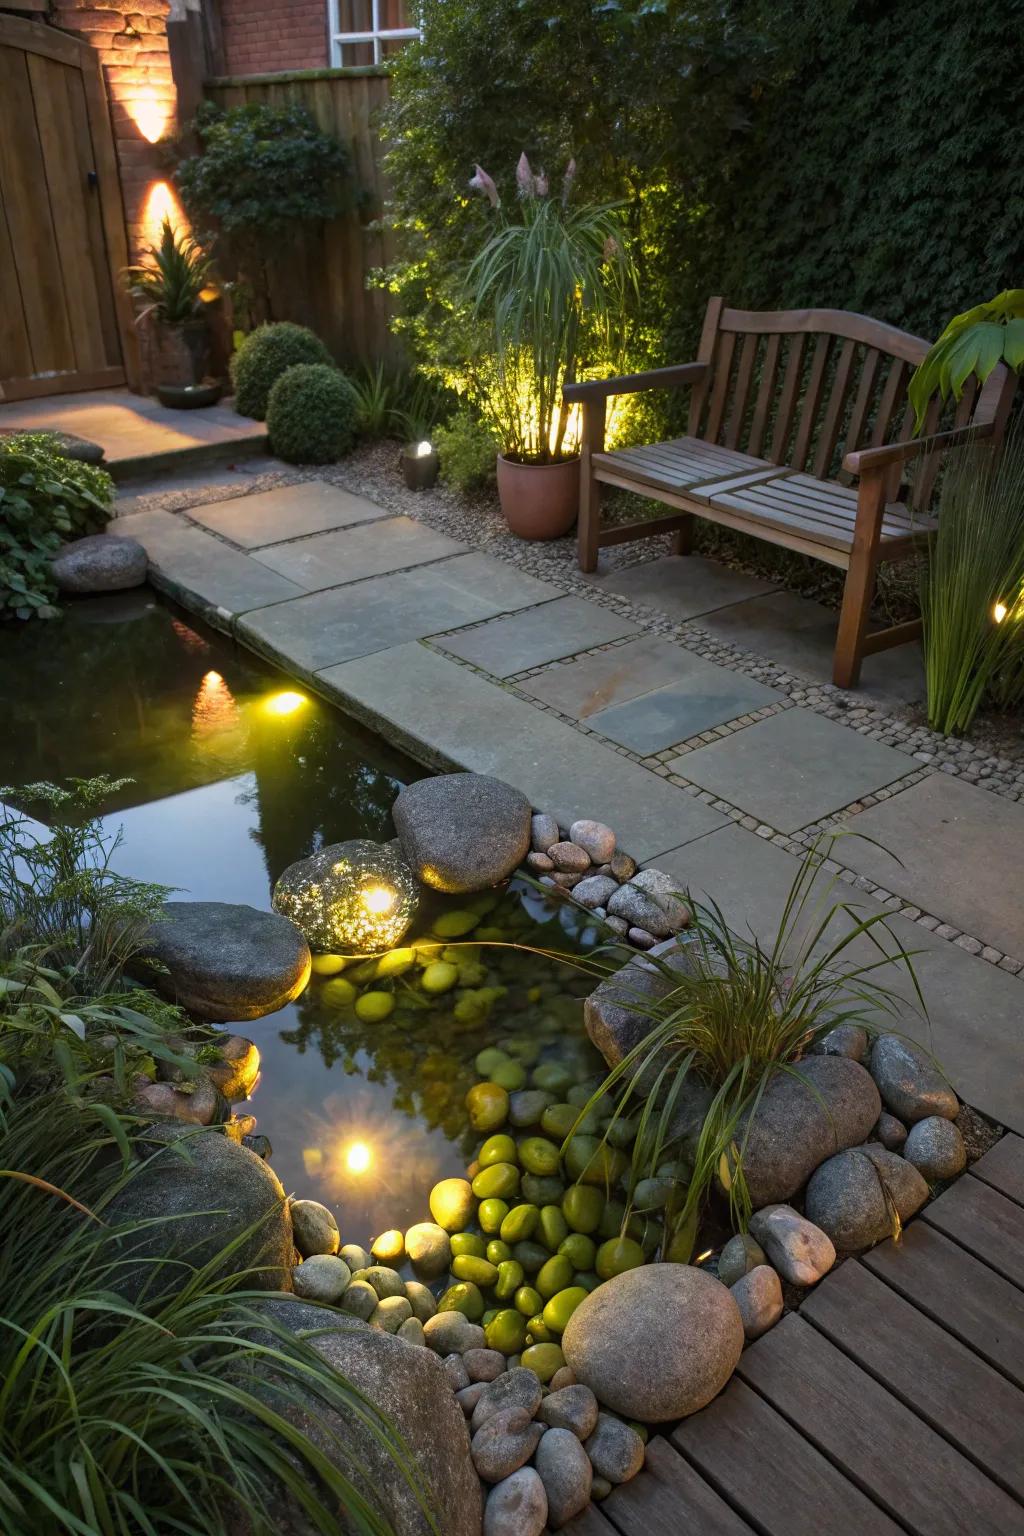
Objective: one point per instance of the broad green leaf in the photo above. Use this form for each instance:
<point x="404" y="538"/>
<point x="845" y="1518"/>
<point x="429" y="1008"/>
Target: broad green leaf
<point x="1013" y="343"/>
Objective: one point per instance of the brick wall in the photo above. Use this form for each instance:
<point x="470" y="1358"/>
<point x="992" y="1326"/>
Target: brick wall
<point x="130" y="39"/>
<point x="263" y="36"/>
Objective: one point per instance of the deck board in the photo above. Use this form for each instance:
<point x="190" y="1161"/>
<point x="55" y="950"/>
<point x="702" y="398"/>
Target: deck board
<point x="1003" y="1168"/>
<point x="877" y="1441"/>
<point x="670" y="1498"/>
<point x="984" y="1222"/>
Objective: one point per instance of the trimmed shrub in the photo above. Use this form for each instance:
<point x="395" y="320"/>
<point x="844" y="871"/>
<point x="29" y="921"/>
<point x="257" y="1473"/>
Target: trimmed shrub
<point x="468" y="453"/>
<point x="263" y="357"/>
<point x="45" y="500"/>
<point x="313" y="414"/>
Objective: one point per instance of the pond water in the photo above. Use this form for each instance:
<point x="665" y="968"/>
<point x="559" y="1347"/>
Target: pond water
<point x="235" y="772"/>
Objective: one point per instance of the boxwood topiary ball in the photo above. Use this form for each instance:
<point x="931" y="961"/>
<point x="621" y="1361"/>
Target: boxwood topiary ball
<point x="312" y="415"/>
<point x="263" y="357"/>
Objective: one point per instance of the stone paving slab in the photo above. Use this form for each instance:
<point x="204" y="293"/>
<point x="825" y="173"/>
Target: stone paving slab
<point x="190" y="561"/>
<point x="793" y="768"/>
<point x="581" y="687"/>
<point x="511" y="645"/>
<point x="450" y="717"/>
<point x="287" y="512"/>
<point x="682" y="586"/>
<point x="975" y="1009"/>
<point x="706" y="696"/>
<point x="801" y="634"/>
<point x="950" y="848"/>
<point x="321" y="629"/>
<point x="352" y="554"/>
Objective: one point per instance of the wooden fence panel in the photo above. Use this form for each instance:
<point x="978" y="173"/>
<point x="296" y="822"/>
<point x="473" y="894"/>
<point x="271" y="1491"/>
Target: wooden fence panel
<point x="320" y="278"/>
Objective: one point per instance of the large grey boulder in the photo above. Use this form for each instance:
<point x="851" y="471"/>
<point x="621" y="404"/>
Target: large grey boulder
<point x="909" y="1081"/>
<point x="408" y="1387"/>
<point x="807" y="1112"/>
<point x="462" y="832"/>
<point x="655" y="1343"/>
<point x="852" y="1196"/>
<point x="226" y="961"/>
<point x="619" y="1013"/>
<point x="101" y="562"/>
<point x="203" y="1191"/>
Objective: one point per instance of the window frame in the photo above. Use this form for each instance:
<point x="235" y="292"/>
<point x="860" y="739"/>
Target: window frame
<point x="375" y="34"/>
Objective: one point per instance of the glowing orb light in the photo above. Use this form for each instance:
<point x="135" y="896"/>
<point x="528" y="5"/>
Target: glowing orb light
<point x="358" y="1157"/>
<point x="356" y="897"/>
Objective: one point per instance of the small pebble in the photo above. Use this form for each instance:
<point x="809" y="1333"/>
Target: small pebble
<point x="641" y="938"/>
<point x="454" y="1368"/>
<point x="518" y="1388"/>
<point x="389" y="1248"/>
<point x="355" y="1257"/>
<point x="421" y="1299"/>
<point x="596" y="840"/>
<point x="450" y="1333"/>
<point x="313" y="1228"/>
<point x="569" y="858"/>
<point x="468" y="1398"/>
<point x="600" y="1488"/>
<point x="360" y="1299"/>
<point x="739" y="1256"/>
<point x="758" y="1294"/>
<point x="429" y="1248"/>
<point x="892" y="1133"/>
<point x="573" y="1408"/>
<point x="504" y="1443"/>
<point x="539" y="862"/>
<point x="543" y="832"/>
<point x="622" y="866"/>
<point x="564" y="1468"/>
<point x="565" y="1376"/>
<point x="484" y="1364"/>
<point x="321" y="1277"/>
<point x="390" y="1313"/>
<point x="412" y="1332"/>
<point x="518" y="1506"/>
<point x="616" y="1451"/>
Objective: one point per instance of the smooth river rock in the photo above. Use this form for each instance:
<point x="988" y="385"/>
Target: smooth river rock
<point x="851" y="1196"/>
<point x="517" y="1388"/>
<point x="615" y="1449"/>
<point x="910" y="1083"/>
<point x="844" y="1040"/>
<point x="655" y="1343"/>
<point x="801" y="1252"/>
<point x="462" y="832"/>
<point x="315" y="1228"/>
<point x="325" y="895"/>
<point x="322" y="1277"/>
<point x="936" y="1148"/>
<point x="618" y="1014"/>
<point x="595" y="839"/>
<point x="806" y="1113"/>
<point x="740" y="1255"/>
<point x="225" y="961"/>
<point x="429" y="1248"/>
<point x="408" y="1387"/>
<point x="651" y="901"/>
<point x="504" y="1443"/>
<point x="573" y="1407"/>
<point x="517" y="1507"/>
<point x="566" y="1472"/>
<point x="101" y="562"/>
<point x="758" y="1294"/>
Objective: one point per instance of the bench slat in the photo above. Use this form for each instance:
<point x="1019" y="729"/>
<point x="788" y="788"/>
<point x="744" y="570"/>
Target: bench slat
<point x="892" y="393"/>
<point x="811" y="402"/>
<point x="788" y="399"/>
<point x="829" y="433"/>
<point x="741" y="394"/>
<point x="720" y="388"/>
<point x="765" y="394"/>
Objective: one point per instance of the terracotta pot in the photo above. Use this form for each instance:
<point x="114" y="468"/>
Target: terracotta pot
<point x="181" y="352"/>
<point x="540" y="501"/>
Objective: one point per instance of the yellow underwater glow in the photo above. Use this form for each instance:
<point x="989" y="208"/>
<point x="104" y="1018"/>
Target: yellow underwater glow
<point x="358" y="1157"/>
<point x="377" y="899"/>
<point x="284" y="703"/>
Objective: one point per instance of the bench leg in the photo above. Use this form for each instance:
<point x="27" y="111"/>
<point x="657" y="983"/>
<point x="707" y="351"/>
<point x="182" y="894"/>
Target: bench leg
<point x="589" y="529"/>
<point x="853" y="618"/>
<point x="682" y="542"/>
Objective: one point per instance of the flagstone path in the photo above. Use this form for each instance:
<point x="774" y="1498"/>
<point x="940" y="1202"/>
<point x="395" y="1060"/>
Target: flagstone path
<point x="467" y="661"/>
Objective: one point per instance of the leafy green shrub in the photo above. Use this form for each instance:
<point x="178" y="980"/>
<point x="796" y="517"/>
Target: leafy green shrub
<point x="313" y="415"/>
<point x="262" y="358"/>
<point x="172" y="279"/>
<point x="468" y="453"/>
<point x="45" y="499"/>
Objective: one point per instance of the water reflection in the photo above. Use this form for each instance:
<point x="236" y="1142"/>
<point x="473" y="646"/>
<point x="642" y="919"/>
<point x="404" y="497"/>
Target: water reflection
<point x="236" y="774"/>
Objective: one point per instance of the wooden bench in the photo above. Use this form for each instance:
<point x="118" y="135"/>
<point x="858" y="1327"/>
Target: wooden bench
<point x="787" y="411"/>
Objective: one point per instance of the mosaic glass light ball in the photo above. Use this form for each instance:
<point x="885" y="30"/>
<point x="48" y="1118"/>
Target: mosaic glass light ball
<point x="355" y="898"/>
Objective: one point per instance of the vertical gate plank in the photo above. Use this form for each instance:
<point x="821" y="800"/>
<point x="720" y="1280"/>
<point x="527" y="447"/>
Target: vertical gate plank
<point x="98" y="255"/>
<point x="15" y="352"/>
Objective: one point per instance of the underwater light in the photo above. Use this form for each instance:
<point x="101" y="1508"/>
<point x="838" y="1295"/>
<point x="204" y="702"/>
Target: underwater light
<point x="356" y="897"/>
<point x="358" y="1157"/>
<point x="378" y="899"/>
<point x="285" y="703"/>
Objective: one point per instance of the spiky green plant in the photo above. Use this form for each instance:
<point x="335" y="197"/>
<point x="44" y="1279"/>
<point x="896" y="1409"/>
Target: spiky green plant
<point x="739" y="1014"/>
<point x="171" y="280"/>
<point x="972" y="596"/>
<point x="554" y="280"/>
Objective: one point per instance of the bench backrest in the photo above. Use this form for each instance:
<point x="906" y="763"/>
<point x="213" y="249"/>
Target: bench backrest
<point x="803" y="387"/>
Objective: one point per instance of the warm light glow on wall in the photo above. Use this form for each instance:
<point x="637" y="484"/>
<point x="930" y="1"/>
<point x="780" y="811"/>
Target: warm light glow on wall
<point x="161" y="204"/>
<point x="150" y="115"/>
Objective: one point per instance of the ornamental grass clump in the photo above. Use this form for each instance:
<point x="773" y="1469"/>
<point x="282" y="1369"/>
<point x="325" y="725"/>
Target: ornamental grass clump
<point x="972" y="595"/>
<point x="735" y="1017"/>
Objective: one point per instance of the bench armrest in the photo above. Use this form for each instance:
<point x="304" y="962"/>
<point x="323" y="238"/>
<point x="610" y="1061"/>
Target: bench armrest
<point x="632" y="383"/>
<point x="864" y="460"/>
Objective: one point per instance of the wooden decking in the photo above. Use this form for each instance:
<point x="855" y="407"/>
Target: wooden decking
<point x="892" y="1402"/>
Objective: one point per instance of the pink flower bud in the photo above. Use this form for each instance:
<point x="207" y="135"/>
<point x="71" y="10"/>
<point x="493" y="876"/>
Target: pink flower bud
<point x="481" y="182"/>
<point x="540" y="184"/>
<point x="524" y="176"/>
<point x="611" y="248"/>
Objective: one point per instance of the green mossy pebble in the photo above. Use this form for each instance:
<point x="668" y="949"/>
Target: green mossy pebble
<point x="531" y="1256"/>
<point x="464" y="1297"/>
<point x="496" y="1182"/>
<point x="391" y="1313"/>
<point x="578" y="1249"/>
<point x="468" y="1243"/>
<point x="528" y="1300"/>
<point x="374" y="1007"/>
<point x="591" y="1161"/>
<point x="538" y="1191"/>
<point x="506" y="1331"/>
<point x="653" y="1194"/>
<point x="510" y="1075"/>
<point x="552" y="1077"/>
<point x="488" y="1059"/>
<point x="389" y="1248"/>
<point x="558" y="1120"/>
<point x="497" y="1149"/>
<point x="554" y="1228"/>
<point x="421" y="1299"/>
<point x="395" y="963"/>
<point x="466" y="1266"/>
<point x="617" y="1255"/>
<point x="582" y="1207"/>
<point x="338" y="992"/>
<point x="360" y="1299"/>
<point x="497" y="1251"/>
<point x="355" y="1257"/>
<point x="588" y="1278"/>
<point x="612" y="1218"/>
<point x="491" y="935"/>
<point x="362" y="972"/>
<point x="491" y="1214"/>
<point x="543" y="1360"/>
<point x="554" y="1275"/>
<point x="526" y="1107"/>
<point x="561" y="1307"/>
<point x="491" y="1312"/>
<point x="538" y="1332"/>
<point x="385" y="1281"/>
<point x="621" y="1132"/>
<point x="579" y="1095"/>
<point x="455" y="925"/>
<point x="520" y="1224"/>
<point x="439" y="976"/>
<point x="451" y="1204"/>
<point x="511" y="1275"/>
<point x="487" y="1105"/>
<point x="539" y="1156"/>
<point x="329" y="965"/>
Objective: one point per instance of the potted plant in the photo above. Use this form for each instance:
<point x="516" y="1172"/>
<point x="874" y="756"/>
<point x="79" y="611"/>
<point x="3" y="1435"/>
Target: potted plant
<point x="554" y="281"/>
<point x="171" y="283"/>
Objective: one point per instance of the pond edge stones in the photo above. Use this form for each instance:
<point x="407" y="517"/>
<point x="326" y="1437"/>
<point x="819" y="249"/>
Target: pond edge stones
<point x="224" y="961"/>
<point x="462" y="832"/>
<point x="100" y="562"/>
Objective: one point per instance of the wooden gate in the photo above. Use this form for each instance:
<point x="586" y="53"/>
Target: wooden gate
<point x="63" y="312"/>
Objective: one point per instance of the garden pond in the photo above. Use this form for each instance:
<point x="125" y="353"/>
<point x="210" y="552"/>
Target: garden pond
<point x="233" y="774"/>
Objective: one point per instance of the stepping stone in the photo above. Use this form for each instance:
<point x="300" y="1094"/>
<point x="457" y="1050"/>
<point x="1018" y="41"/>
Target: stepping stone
<point x="352" y="554"/>
<point x="193" y="563"/>
<point x="793" y="768"/>
<point x="798" y="633"/>
<point x="450" y="717"/>
<point x="951" y="848"/>
<point x="527" y="640"/>
<point x="683" y="586"/>
<point x="325" y="628"/>
<point x="287" y="512"/>
<point x="706" y="696"/>
<point x="590" y="683"/>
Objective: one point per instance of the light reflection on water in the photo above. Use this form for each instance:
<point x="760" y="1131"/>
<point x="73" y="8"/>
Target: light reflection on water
<point x="228" y="791"/>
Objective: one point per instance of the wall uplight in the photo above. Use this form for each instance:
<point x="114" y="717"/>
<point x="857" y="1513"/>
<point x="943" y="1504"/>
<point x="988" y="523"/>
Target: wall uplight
<point x="285" y="703"/>
<point x="161" y="204"/>
<point x="150" y="115"/>
<point x="358" y="1157"/>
